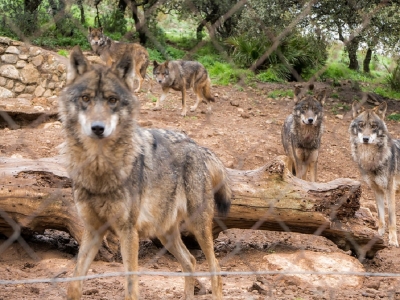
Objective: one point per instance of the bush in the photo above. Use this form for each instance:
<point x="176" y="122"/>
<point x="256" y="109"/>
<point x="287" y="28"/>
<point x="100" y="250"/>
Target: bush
<point x="393" y="78"/>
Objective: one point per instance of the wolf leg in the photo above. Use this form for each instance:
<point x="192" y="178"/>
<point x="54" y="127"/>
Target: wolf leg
<point x="391" y="200"/>
<point x="88" y="249"/>
<point x="138" y="77"/>
<point x="203" y="234"/>
<point x="380" y="207"/>
<point x="183" y="113"/>
<point x="164" y="94"/>
<point x="129" y="240"/>
<point x="173" y="243"/>
<point x="199" y="95"/>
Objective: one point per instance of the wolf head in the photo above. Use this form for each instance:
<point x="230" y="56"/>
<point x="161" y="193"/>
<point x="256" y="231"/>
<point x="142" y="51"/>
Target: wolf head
<point x="368" y="126"/>
<point x="97" y="99"/>
<point x="96" y="37"/>
<point x="308" y="109"/>
<point x="160" y="71"/>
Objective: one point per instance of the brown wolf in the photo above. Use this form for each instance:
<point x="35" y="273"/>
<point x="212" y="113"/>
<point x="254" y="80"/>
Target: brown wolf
<point x="302" y="131"/>
<point x="181" y="75"/>
<point x="378" y="158"/>
<point x="109" y="51"/>
<point x="136" y="182"/>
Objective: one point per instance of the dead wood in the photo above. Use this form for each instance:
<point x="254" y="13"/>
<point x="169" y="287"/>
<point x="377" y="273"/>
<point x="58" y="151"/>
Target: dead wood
<point x="36" y="195"/>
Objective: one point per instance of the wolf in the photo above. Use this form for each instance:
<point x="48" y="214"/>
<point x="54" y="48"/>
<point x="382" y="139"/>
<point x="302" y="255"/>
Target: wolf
<point x="302" y="131"/>
<point x="181" y="75"/>
<point x="378" y="157"/>
<point x="109" y="51"/>
<point x="133" y="181"/>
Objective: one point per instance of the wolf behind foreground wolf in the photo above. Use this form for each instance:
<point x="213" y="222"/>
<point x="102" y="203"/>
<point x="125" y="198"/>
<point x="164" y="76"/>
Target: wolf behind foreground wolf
<point x="302" y="131"/>
<point x="109" y="51"/>
<point x="378" y="158"/>
<point x="181" y="75"/>
<point x="136" y="182"/>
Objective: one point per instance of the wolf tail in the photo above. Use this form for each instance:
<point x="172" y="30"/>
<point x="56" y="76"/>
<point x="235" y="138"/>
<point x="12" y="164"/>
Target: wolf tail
<point x="207" y="91"/>
<point x="220" y="182"/>
<point x="143" y="68"/>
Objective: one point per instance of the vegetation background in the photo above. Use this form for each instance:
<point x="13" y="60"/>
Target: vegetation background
<point x="238" y="41"/>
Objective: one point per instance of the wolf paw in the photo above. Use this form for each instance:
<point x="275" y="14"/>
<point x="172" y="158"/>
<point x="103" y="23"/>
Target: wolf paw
<point x="381" y="231"/>
<point x="193" y="108"/>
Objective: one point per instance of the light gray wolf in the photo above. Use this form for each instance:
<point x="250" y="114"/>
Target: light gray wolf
<point x="109" y="51"/>
<point x="181" y="75"/>
<point x="378" y="157"/>
<point x="302" y="131"/>
<point x="136" y="182"/>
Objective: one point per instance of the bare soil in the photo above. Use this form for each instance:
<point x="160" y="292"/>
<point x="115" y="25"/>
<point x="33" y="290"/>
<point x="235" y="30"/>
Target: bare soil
<point x="244" y="130"/>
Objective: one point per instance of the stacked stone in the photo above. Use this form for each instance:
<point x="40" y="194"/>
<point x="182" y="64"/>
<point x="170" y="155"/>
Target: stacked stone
<point x="27" y="71"/>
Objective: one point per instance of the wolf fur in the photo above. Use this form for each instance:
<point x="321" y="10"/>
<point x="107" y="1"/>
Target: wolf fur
<point x="302" y="131"/>
<point x="378" y="158"/>
<point x="109" y="51"/>
<point x="136" y="182"/>
<point x="181" y="75"/>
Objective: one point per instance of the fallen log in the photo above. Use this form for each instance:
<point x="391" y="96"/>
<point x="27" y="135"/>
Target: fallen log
<point x="36" y="195"/>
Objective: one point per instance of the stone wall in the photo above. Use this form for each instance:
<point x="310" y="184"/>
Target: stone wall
<point x="29" y="72"/>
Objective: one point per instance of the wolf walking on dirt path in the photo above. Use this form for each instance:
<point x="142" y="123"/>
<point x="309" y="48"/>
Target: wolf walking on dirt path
<point x="181" y="75"/>
<point x="378" y="158"/>
<point x="302" y="131"/>
<point x="109" y="51"/>
<point x="136" y="182"/>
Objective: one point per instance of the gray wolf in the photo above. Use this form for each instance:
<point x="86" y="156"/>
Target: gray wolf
<point x="378" y="158"/>
<point x="136" y="182"/>
<point x="109" y="51"/>
<point x="181" y="75"/>
<point x="302" y="131"/>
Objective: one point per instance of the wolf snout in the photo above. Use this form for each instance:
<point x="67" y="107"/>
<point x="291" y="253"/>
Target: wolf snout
<point x="159" y="81"/>
<point x="366" y="139"/>
<point x="310" y="120"/>
<point x="98" y="128"/>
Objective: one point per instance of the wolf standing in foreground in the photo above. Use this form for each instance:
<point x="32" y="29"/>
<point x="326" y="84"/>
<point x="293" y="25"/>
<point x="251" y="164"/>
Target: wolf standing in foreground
<point x="181" y="75"/>
<point x="378" y="158"/>
<point x="302" y="131"/>
<point x="136" y="182"/>
<point x="110" y="51"/>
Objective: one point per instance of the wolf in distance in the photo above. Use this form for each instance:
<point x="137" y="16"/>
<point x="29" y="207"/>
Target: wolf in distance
<point x="378" y="157"/>
<point x="109" y="51"/>
<point x="302" y="131"/>
<point x="181" y="75"/>
<point x="136" y="182"/>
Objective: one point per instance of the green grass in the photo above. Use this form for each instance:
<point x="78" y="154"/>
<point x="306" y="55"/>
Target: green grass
<point x="63" y="52"/>
<point x="386" y="92"/>
<point x="394" y="117"/>
<point x="280" y="93"/>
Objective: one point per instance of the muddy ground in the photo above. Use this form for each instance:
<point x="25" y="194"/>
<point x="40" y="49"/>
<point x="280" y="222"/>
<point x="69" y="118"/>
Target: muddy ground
<point x="244" y="130"/>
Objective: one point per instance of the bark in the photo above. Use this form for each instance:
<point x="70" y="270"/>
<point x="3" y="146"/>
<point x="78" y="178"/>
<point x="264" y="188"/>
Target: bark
<point x="367" y="61"/>
<point x="36" y="195"/>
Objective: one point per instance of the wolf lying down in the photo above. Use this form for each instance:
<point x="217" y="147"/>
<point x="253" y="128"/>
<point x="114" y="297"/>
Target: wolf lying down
<point x="136" y="182"/>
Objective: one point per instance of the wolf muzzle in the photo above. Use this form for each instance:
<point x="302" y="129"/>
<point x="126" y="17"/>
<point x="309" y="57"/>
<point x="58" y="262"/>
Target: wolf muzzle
<point x="98" y="128"/>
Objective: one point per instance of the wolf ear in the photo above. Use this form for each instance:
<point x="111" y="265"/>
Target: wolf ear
<point x="78" y="64"/>
<point x="90" y="29"/>
<point x="356" y="109"/>
<point x="155" y="64"/>
<point x="381" y="110"/>
<point x="297" y="91"/>
<point x="123" y="68"/>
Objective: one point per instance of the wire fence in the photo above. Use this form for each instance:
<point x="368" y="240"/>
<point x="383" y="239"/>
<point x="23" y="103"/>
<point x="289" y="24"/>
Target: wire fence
<point x="304" y="238"/>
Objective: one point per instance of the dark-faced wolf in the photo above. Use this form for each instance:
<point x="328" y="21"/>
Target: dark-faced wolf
<point x="302" y="131"/>
<point x="181" y="75"/>
<point x="136" y="182"/>
<point x="109" y="51"/>
<point x="378" y="158"/>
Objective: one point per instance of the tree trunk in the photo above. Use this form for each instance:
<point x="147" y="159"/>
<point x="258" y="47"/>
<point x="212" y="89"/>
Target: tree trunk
<point x="36" y="195"/>
<point x="352" y="48"/>
<point x="82" y="11"/>
<point x="139" y="26"/>
<point x="367" y="61"/>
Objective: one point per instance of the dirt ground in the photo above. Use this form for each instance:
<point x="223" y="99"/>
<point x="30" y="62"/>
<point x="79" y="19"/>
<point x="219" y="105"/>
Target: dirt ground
<point x="244" y="130"/>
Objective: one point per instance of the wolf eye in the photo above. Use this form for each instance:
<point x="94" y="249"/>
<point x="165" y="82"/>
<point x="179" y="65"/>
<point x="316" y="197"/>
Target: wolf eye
<point x="85" y="98"/>
<point x="112" y="100"/>
<point x="373" y="125"/>
<point x="361" y="124"/>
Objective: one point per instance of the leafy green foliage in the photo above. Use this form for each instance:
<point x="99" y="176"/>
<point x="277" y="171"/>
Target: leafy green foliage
<point x="393" y="78"/>
<point x="280" y="93"/>
<point x="394" y="117"/>
<point x="114" y="22"/>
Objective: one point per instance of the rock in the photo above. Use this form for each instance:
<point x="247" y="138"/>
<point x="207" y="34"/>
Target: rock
<point x="39" y="91"/>
<point x="37" y="60"/>
<point x="340" y="117"/>
<point x="9" y="71"/>
<point x="29" y="74"/>
<point x="20" y="64"/>
<point x="5" y="93"/>
<point x="9" y="58"/>
<point x="234" y="103"/>
<point x="12" y="50"/>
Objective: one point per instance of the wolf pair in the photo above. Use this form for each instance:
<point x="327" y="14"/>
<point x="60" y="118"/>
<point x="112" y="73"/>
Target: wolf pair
<point x="375" y="152"/>
<point x="136" y="182"/>
<point x="109" y="51"/>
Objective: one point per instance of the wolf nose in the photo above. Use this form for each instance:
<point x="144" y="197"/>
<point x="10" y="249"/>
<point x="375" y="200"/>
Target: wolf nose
<point x="365" y="139"/>
<point x="159" y="81"/>
<point x="98" y="128"/>
<point x="310" y="120"/>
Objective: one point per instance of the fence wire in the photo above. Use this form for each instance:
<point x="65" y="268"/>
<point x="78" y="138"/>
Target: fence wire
<point x="32" y="187"/>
